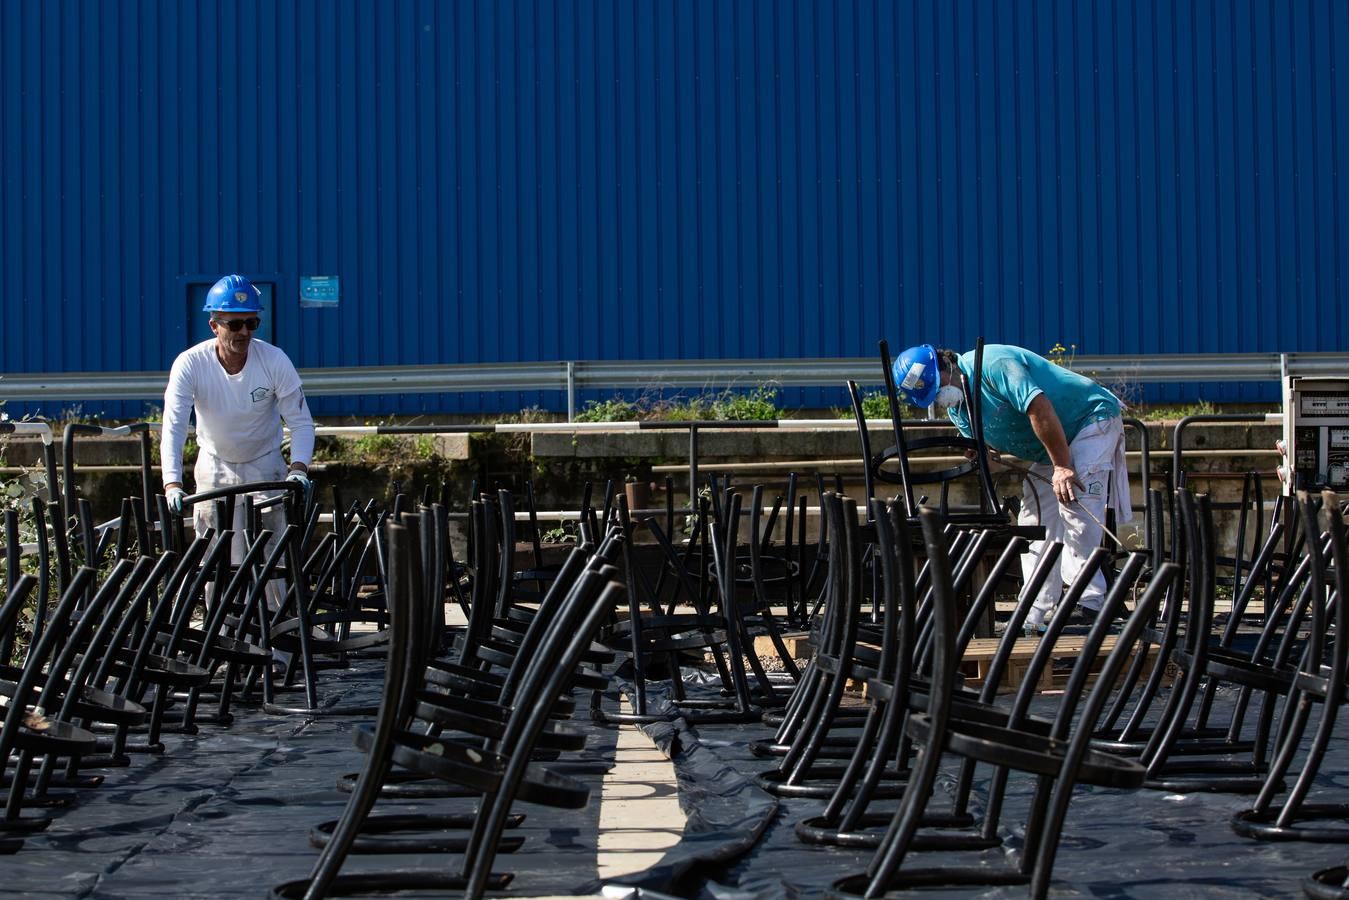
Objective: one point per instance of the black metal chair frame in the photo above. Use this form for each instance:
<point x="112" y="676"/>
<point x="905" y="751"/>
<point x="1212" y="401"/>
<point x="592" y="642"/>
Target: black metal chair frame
<point x="1060" y="759"/>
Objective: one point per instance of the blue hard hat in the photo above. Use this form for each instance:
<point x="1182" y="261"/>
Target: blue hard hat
<point x="916" y="375"/>
<point x="233" y="293"/>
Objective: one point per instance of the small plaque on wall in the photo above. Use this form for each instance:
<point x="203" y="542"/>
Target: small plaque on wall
<point x="319" y="290"/>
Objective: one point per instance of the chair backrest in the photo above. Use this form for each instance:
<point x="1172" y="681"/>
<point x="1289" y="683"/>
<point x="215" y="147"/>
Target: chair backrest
<point x="838" y="630"/>
<point x="38" y="655"/>
<point x="1258" y="574"/>
<point x="506" y="559"/>
<point x="558" y="593"/>
<point x="15" y="601"/>
<point x="92" y="647"/>
<point x="132" y="683"/>
<point x="77" y="628"/>
<point x="411" y="604"/>
<point x="722" y="540"/>
<point x="974" y="397"/>
<point x="595" y="592"/>
<point x="567" y="636"/>
<point x="133" y="618"/>
<point x="442" y="564"/>
<point x="1091" y="647"/>
<point x="12" y="575"/>
<point x="967" y="551"/>
<point x="864" y="437"/>
<point x="482" y="606"/>
<point x="896" y="422"/>
<point x="899" y="600"/>
<point x="1042" y="842"/>
<point x="1199" y="571"/>
<point x="1339" y="552"/>
<point x="1309" y="508"/>
<point x="943" y="619"/>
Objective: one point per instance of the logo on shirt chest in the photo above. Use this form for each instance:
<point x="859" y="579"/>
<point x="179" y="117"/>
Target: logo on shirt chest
<point x="259" y="394"/>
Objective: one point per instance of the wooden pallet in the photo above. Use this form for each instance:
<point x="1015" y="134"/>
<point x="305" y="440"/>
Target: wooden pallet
<point x="797" y="643"/>
<point x="979" y="657"/>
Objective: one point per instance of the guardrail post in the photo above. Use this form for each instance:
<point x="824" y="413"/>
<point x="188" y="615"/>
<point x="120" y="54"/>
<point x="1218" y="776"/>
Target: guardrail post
<point x="571" y="391"/>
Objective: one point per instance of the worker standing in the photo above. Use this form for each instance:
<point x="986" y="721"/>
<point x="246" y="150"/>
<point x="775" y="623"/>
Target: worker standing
<point x="241" y="389"/>
<point x="1070" y="429"/>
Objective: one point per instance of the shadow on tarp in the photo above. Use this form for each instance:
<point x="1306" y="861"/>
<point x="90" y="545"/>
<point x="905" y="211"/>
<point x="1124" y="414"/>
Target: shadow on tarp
<point x="227" y="813"/>
<point x="1140" y="844"/>
<point x="726" y="812"/>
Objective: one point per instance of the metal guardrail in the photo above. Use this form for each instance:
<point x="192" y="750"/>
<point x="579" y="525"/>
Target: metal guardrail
<point x="571" y="376"/>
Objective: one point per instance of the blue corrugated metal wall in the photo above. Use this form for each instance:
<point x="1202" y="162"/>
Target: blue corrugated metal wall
<point x="546" y="180"/>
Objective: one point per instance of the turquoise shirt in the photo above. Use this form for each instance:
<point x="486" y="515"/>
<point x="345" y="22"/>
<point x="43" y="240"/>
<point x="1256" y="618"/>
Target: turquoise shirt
<point x="1013" y="377"/>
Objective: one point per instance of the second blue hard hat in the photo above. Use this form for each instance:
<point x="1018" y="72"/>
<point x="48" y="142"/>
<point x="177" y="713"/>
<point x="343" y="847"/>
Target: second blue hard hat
<point x="916" y="375"/>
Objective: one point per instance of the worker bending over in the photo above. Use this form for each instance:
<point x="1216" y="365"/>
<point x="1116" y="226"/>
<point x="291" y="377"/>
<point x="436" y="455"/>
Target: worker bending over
<point x="1070" y="429"/>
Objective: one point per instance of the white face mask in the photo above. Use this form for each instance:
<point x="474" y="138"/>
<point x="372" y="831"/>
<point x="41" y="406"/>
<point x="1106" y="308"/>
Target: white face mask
<point x="950" y="396"/>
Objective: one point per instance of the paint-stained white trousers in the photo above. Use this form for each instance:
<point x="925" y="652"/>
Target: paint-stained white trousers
<point x="1098" y="453"/>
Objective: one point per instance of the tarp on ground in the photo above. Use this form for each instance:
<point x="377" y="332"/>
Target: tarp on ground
<point x="1138" y="844"/>
<point x="227" y="813"/>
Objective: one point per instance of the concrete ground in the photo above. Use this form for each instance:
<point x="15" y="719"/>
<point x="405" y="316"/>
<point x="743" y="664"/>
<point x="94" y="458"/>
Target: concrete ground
<point x="640" y="815"/>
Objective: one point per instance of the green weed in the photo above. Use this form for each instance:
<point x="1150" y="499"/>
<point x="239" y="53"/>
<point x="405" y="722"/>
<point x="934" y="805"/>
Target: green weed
<point x="613" y="410"/>
<point x="375" y="445"/>
<point x="874" y="406"/>
<point x="1159" y="413"/>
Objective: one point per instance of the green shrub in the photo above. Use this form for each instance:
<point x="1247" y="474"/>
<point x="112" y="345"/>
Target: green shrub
<point x="874" y="406"/>
<point x="759" y="404"/>
<point x="565" y="533"/>
<point x="1158" y="413"/>
<point x="614" y="410"/>
<point x="729" y="405"/>
<point x="375" y="445"/>
<point x="685" y="409"/>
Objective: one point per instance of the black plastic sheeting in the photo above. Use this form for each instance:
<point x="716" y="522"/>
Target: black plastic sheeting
<point x="227" y="813"/>
<point x="1143" y="844"/>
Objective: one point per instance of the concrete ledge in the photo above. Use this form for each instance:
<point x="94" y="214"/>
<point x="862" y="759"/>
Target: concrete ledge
<point x="453" y="446"/>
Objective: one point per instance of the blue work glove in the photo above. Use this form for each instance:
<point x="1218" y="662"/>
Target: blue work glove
<point x="176" y="496"/>
<point x="303" y="481"/>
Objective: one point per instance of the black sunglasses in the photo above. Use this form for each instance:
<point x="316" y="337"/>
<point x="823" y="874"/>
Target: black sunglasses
<point x="251" y="323"/>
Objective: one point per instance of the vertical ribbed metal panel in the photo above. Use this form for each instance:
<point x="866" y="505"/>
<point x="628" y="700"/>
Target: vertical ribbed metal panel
<point x="501" y="181"/>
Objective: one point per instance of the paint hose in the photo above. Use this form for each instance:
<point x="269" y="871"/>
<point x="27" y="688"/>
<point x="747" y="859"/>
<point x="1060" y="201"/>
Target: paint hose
<point x="1027" y="471"/>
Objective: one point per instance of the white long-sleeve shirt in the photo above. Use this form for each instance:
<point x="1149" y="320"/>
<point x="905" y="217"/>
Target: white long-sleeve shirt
<point x="238" y="416"/>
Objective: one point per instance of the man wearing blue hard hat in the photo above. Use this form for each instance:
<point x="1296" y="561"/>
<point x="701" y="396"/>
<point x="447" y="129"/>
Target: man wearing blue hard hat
<point x="1066" y="425"/>
<point x="241" y="389"/>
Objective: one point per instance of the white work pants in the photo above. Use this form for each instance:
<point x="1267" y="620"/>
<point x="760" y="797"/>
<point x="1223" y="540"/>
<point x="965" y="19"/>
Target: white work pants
<point x="1098" y="453"/>
<point x="212" y="472"/>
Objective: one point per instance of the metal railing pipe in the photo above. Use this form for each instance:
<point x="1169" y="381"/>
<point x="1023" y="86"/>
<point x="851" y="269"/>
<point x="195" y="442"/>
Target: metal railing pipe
<point x="1178" y="435"/>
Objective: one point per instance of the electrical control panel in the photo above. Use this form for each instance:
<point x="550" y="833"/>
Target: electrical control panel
<point x="1316" y="432"/>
